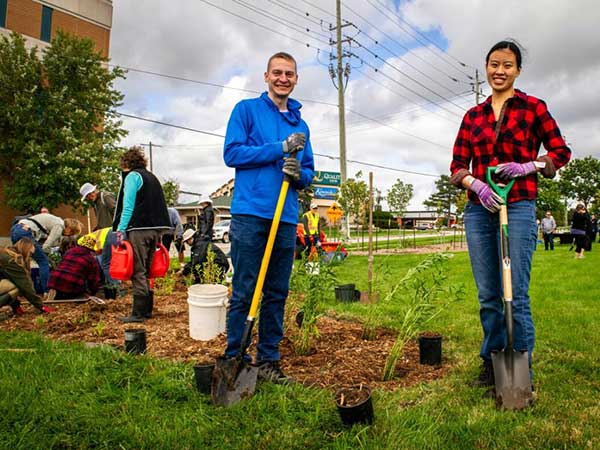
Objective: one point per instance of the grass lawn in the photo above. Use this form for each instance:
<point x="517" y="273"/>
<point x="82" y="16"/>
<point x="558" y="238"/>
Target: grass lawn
<point x="62" y="396"/>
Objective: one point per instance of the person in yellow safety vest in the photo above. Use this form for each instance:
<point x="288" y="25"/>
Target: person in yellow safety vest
<point x="312" y="227"/>
<point x="105" y="238"/>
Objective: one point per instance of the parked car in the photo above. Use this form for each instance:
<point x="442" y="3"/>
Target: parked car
<point x="221" y="231"/>
<point x="424" y="226"/>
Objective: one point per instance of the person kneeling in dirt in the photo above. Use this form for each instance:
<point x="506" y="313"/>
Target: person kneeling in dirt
<point x="104" y="239"/>
<point x="15" y="277"/>
<point x="77" y="274"/>
<point x="200" y="248"/>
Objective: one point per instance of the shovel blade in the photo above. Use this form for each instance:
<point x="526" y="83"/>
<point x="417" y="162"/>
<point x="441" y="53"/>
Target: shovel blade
<point x="233" y="380"/>
<point x="513" y="381"/>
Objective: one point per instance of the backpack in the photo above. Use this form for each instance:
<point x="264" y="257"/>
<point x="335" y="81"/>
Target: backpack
<point x="28" y="217"/>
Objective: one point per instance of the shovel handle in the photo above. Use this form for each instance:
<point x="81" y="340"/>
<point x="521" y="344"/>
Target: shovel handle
<point x="501" y="190"/>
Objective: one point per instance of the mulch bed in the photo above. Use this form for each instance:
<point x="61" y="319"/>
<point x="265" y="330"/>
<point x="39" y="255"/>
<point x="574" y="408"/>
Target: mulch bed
<point x="340" y="358"/>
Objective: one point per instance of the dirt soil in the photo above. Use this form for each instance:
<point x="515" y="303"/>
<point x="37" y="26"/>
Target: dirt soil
<point x="340" y="358"/>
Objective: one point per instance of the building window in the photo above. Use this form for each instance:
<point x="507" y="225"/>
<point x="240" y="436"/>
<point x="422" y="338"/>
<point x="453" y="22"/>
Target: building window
<point x="46" y="32"/>
<point x="3" y="6"/>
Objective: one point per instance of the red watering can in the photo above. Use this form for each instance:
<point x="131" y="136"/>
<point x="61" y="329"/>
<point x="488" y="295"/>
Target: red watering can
<point x="160" y="262"/>
<point x="121" y="263"/>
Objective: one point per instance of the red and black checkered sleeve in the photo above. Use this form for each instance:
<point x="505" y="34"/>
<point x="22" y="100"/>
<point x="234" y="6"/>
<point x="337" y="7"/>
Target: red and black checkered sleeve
<point x="462" y="152"/>
<point x="547" y="130"/>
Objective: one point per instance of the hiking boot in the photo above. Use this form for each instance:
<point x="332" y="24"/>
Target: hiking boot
<point x="137" y="310"/>
<point x="270" y="371"/>
<point x="486" y="376"/>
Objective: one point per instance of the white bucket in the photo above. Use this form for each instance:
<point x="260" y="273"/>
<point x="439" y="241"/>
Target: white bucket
<point x="207" y="304"/>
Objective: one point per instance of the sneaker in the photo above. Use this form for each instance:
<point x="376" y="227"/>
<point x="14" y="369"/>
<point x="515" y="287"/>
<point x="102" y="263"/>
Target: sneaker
<point x="270" y="371"/>
<point x="486" y="376"/>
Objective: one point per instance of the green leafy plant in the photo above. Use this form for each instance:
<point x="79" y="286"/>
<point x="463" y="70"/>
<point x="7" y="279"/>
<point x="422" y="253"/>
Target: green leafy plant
<point x="165" y="285"/>
<point x="211" y="272"/>
<point x="99" y="328"/>
<point x="424" y="293"/>
<point x="315" y="282"/>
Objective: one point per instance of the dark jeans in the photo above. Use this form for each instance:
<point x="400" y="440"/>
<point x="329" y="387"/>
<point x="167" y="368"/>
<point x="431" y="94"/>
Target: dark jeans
<point x="248" y="241"/>
<point x="144" y="244"/>
<point x="483" y="238"/>
<point x="16" y="233"/>
<point x="111" y="239"/>
<point x="549" y="240"/>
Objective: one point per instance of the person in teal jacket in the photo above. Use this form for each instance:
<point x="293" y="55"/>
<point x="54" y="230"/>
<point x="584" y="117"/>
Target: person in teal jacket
<point x="262" y="133"/>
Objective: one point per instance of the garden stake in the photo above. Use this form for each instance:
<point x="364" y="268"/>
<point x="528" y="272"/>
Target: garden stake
<point x="511" y="367"/>
<point x="235" y="378"/>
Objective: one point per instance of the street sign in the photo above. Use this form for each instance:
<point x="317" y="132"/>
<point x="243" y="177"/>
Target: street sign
<point x="327" y="178"/>
<point x="334" y="213"/>
<point x="325" y="192"/>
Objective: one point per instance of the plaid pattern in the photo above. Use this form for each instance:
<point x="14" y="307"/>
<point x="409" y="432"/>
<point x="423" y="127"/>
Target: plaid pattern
<point x="77" y="272"/>
<point x="527" y="124"/>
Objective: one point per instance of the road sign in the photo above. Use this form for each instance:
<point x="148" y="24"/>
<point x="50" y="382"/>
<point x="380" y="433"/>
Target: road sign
<point x="327" y="178"/>
<point x="334" y="213"/>
<point x="323" y="192"/>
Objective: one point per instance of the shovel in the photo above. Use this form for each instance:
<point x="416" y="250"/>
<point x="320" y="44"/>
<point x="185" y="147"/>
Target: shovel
<point x="511" y="367"/>
<point x="235" y="378"/>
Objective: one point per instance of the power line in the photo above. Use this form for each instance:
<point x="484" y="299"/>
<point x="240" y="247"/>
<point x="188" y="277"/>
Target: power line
<point x="294" y="10"/>
<point x="444" y="52"/>
<point x="316" y="154"/>
<point x="206" y="83"/>
<point x="282" y="21"/>
<point x="419" y="40"/>
<point x="263" y="26"/>
<point x="405" y="87"/>
<point x="319" y="8"/>
<point x="400" y="57"/>
<point x="385" y="62"/>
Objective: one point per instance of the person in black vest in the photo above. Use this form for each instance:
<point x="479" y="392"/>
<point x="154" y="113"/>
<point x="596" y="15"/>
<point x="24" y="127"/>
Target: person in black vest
<point x="141" y="217"/>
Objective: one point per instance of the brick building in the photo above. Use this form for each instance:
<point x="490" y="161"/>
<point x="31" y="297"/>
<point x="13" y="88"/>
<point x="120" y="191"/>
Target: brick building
<point x="38" y="21"/>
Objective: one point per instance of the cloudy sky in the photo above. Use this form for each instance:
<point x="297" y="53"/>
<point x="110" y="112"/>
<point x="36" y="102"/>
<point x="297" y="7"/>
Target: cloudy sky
<point x="411" y="78"/>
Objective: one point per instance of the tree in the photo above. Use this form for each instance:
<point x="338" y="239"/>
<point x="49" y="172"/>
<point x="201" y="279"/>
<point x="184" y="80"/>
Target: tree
<point x="446" y="196"/>
<point x="398" y="196"/>
<point x="549" y="198"/>
<point x="58" y="128"/>
<point x="171" y="190"/>
<point x="353" y="197"/>
<point x="580" y="179"/>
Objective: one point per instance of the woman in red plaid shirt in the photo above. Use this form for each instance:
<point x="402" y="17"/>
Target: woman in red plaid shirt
<point x="504" y="131"/>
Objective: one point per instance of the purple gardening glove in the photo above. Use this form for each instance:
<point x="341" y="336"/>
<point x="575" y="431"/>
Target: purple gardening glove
<point x="511" y="170"/>
<point x="119" y="237"/>
<point x="489" y="199"/>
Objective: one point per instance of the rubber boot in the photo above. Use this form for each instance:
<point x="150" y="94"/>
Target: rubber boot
<point x="5" y="299"/>
<point x="149" y="305"/>
<point x="137" y="310"/>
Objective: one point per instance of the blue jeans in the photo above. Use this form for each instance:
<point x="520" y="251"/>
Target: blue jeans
<point x="248" y="241"/>
<point x="483" y="239"/>
<point x="16" y="233"/>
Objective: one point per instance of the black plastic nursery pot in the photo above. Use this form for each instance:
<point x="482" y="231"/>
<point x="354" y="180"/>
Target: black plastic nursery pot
<point x="299" y="319"/>
<point x="346" y="293"/>
<point x="354" y="405"/>
<point x="135" y="341"/>
<point x="203" y="374"/>
<point x="430" y="349"/>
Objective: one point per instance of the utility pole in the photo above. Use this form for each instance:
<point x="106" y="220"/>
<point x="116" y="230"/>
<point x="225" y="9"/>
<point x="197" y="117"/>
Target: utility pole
<point x="339" y="74"/>
<point x="150" y="151"/>
<point x="150" y="145"/>
<point x="477" y="91"/>
<point x="340" y="86"/>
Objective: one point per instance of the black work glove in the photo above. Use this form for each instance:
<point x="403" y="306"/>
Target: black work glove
<point x="294" y="143"/>
<point x="291" y="167"/>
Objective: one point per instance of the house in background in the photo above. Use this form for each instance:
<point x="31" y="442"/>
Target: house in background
<point x="38" y="21"/>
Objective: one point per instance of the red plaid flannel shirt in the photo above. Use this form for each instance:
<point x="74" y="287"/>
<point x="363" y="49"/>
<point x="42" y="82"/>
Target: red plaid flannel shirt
<point x="77" y="272"/>
<point x="527" y="123"/>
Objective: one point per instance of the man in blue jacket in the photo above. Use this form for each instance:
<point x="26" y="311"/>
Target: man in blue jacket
<point x="261" y="134"/>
